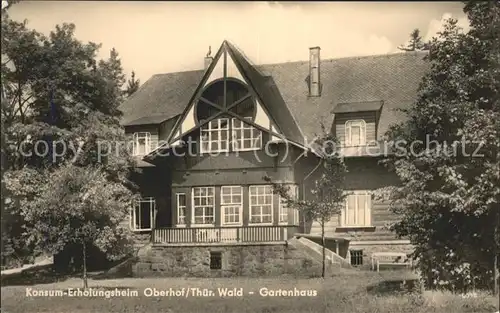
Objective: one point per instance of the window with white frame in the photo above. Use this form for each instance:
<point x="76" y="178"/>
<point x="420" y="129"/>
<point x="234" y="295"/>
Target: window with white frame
<point x="355" y="133"/>
<point x="284" y="210"/>
<point x="141" y="215"/>
<point x="142" y="142"/>
<point x="244" y="136"/>
<point x="181" y="208"/>
<point x="357" y="211"/>
<point x="215" y="136"/>
<point x="231" y="205"/>
<point x="261" y="204"/>
<point x="203" y="205"/>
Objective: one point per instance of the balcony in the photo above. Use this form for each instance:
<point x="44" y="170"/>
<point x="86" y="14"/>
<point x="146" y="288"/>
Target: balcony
<point x="223" y="235"/>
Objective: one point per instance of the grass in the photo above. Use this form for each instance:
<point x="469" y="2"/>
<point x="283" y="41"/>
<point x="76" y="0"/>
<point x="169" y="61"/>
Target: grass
<point x="347" y="292"/>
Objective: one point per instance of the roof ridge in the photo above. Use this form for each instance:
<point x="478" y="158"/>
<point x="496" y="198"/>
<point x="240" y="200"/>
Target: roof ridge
<point x="178" y="72"/>
<point x="373" y="56"/>
<point x="258" y="66"/>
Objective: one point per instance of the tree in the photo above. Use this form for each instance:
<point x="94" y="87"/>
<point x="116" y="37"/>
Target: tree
<point x="80" y="205"/>
<point x="59" y="95"/>
<point x="328" y="194"/>
<point x="132" y="85"/>
<point x="415" y="42"/>
<point x="447" y="156"/>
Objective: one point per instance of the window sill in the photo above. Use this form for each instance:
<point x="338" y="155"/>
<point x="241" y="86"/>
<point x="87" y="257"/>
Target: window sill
<point x="202" y="226"/>
<point x="247" y="149"/>
<point x="261" y="224"/>
<point x="138" y="231"/>
<point x="232" y="225"/>
<point x="181" y="226"/>
<point x="213" y="152"/>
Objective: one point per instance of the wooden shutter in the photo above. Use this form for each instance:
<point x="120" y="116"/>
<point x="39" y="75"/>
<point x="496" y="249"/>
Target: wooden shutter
<point x="368" y="210"/>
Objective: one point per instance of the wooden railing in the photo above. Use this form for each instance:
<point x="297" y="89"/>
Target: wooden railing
<point x="210" y="235"/>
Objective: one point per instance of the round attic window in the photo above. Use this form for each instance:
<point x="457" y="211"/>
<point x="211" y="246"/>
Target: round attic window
<point x="237" y="99"/>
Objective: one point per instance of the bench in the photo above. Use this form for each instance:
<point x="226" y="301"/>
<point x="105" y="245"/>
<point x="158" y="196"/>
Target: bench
<point x="390" y="258"/>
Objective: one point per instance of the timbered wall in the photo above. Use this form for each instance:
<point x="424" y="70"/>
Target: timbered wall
<point x="363" y="174"/>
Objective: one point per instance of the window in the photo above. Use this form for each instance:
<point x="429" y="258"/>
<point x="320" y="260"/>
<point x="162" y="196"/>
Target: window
<point x="261" y="204"/>
<point x="203" y="205"/>
<point x="181" y="208"/>
<point x="357" y="211"/>
<point x="283" y="209"/>
<point x="356" y="257"/>
<point x="245" y="136"/>
<point x="231" y="205"/>
<point x="142" y="214"/>
<point x="215" y="136"/>
<point x="355" y="133"/>
<point x="215" y="260"/>
<point x="144" y="143"/>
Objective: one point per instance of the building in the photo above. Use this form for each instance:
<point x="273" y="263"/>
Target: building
<point x="205" y="139"/>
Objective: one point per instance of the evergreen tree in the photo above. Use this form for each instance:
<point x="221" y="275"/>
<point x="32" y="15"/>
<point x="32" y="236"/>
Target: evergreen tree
<point x="415" y="42"/>
<point x="132" y="85"/>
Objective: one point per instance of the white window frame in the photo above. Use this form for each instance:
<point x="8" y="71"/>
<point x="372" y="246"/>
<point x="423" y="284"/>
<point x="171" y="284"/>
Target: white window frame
<point x="179" y="207"/>
<point x="147" y="144"/>
<point x="231" y="204"/>
<point x="209" y="130"/>
<point x="193" y="207"/>
<point x="251" y="205"/>
<point x="348" y="132"/>
<point x="283" y="209"/>
<point x="237" y="143"/>
<point x="364" y="221"/>
<point x="133" y="217"/>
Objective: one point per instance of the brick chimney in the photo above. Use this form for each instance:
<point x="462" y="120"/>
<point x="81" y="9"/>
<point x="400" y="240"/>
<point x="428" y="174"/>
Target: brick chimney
<point x="314" y="72"/>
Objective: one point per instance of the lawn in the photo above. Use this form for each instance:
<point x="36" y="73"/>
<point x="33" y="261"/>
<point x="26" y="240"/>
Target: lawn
<point x="351" y="292"/>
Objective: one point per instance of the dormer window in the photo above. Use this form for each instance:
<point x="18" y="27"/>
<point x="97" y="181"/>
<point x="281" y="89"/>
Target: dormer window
<point x="355" y="133"/>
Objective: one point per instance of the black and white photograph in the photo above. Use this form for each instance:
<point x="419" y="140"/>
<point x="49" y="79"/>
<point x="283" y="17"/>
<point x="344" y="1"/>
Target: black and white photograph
<point x="250" y="157"/>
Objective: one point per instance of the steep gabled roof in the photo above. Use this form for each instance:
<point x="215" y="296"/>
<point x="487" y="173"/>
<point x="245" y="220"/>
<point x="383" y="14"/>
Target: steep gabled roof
<point x="392" y="78"/>
<point x="270" y="95"/>
<point x="163" y="95"/>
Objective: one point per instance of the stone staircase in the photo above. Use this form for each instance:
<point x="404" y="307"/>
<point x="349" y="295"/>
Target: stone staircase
<point x="315" y="252"/>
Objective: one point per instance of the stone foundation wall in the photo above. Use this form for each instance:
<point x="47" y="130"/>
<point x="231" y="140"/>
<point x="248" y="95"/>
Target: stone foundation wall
<point x="257" y="260"/>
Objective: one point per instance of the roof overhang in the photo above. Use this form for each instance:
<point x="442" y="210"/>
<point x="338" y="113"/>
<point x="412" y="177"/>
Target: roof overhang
<point x="148" y="120"/>
<point x="352" y="107"/>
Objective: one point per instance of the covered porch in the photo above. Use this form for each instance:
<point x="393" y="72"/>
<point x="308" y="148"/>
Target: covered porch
<point x="223" y="235"/>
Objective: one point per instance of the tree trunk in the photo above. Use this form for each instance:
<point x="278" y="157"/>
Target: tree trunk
<point x="497" y="253"/>
<point x="323" y="272"/>
<point x="85" y="280"/>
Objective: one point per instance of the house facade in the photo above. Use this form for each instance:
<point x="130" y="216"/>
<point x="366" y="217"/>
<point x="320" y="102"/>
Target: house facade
<point x="204" y="141"/>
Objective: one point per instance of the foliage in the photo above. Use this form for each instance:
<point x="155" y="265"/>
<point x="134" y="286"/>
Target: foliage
<point x="450" y="192"/>
<point x="132" y="85"/>
<point x="328" y="196"/>
<point x="415" y="42"/>
<point x="59" y="95"/>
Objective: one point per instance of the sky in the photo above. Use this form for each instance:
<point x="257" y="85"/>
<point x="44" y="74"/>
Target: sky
<point x="161" y="37"/>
